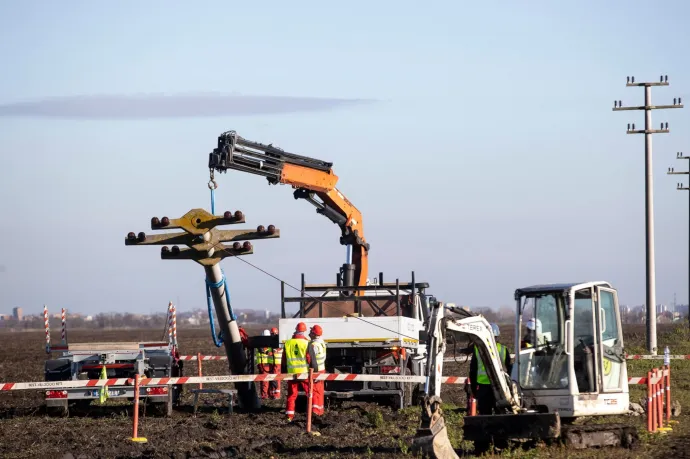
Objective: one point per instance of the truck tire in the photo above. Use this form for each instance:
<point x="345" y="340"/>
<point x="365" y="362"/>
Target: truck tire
<point x="161" y="408"/>
<point x="407" y="388"/>
<point x="60" y="411"/>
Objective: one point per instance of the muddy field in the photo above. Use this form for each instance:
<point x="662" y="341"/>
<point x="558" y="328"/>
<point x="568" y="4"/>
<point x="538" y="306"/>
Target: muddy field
<point x="351" y="429"/>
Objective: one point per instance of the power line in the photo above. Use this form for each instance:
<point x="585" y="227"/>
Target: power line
<point x="316" y="299"/>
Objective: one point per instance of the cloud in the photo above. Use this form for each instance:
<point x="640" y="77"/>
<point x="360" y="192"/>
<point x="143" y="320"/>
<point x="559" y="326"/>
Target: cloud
<point x="147" y="106"/>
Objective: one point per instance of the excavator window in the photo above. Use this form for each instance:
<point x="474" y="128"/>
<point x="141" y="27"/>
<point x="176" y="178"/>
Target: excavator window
<point x="584" y="341"/>
<point x="612" y="354"/>
<point x="545" y="365"/>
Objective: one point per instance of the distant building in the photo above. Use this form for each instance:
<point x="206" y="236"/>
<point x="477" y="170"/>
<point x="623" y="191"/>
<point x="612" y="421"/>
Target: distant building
<point x="5" y="317"/>
<point x="268" y="314"/>
<point x="17" y="313"/>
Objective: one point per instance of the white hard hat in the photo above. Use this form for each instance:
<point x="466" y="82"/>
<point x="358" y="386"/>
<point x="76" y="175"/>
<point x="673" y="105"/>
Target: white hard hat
<point x="534" y="325"/>
<point x="266" y="333"/>
<point x="495" y="329"/>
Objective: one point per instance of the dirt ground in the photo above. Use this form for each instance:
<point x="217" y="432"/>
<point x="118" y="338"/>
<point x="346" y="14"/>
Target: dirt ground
<point x="351" y="429"/>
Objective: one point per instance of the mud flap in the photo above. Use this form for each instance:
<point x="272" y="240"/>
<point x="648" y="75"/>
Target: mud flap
<point x="431" y="439"/>
<point x="512" y="427"/>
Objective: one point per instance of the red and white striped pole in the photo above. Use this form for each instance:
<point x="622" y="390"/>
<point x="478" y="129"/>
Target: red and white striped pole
<point x="64" y="327"/>
<point x="660" y="399"/>
<point x="174" y="323"/>
<point x="135" y="420"/>
<point x="170" y="319"/>
<point x="198" y="366"/>
<point x="310" y="399"/>
<point x="46" y="324"/>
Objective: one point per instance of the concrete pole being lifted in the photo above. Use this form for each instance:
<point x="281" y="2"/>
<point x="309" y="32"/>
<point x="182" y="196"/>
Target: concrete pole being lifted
<point x="232" y="339"/>
<point x="206" y="247"/>
<point x="650" y="302"/>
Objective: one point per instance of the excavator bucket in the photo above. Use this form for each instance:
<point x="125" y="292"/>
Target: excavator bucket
<point x="431" y="439"/>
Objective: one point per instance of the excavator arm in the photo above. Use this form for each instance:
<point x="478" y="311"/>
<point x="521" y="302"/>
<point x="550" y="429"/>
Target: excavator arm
<point x="432" y="436"/>
<point x="478" y="330"/>
<point x="313" y="181"/>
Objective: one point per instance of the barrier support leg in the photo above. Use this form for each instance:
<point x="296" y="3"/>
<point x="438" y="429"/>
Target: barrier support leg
<point x="198" y="367"/>
<point x="135" y="424"/>
<point x="668" y="396"/>
<point x="660" y="401"/>
<point x="650" y="403"/>
<point x="661" y="386"/>
<point x="310" y="399"/>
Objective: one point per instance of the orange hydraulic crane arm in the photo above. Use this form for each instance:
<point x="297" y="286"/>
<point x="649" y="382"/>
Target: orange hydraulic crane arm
<point x="313" y="181"/>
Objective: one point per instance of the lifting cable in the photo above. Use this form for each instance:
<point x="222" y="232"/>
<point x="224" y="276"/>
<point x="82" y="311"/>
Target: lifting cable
<point x="218" y="341"/>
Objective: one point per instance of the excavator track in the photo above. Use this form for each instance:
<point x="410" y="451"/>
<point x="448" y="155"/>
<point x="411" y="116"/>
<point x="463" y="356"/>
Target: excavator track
<point x="599" y="435"/>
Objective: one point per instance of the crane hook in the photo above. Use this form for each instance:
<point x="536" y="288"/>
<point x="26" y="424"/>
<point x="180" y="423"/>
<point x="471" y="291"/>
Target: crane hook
<point x="212" y="185"/>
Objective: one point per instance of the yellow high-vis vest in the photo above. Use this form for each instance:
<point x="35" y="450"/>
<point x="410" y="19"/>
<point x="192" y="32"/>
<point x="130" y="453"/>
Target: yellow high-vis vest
<point x="482" y="376"/>
<point x="296" y="354"/>
<point x="278" y="356"/>
<point x="263" y="356"/>
<point x="319" y="346"/>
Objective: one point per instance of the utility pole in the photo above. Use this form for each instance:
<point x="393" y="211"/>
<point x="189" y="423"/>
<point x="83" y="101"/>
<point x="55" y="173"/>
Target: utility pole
<point x="671" y="171"/>
<point x="649" y="191"/>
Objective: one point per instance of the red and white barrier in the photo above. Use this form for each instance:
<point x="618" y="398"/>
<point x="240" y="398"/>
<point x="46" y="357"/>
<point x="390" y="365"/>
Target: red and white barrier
<point x="656" y="357"/>
<point x="463" y="358"/>
<point x="220" y="379"/>
<point x="203" y="357"/>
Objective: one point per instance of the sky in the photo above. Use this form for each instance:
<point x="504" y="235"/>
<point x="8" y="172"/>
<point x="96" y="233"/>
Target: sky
<point x="477" y="139"/>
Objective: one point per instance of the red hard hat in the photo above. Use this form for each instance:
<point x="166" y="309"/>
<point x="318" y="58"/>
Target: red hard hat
<point x="274" y="331"/>
<point x="316" y="329"/>
<point x="301" y="327"/>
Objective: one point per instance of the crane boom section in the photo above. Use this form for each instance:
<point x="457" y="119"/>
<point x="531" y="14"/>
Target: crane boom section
<point x="313" y="180"/>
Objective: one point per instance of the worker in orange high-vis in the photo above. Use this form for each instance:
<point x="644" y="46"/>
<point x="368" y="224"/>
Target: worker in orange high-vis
<point x="295" y="361"/>
<point x="316" y="352"/>
<point x="274" y="387"/>
<point x="264" y="363"/>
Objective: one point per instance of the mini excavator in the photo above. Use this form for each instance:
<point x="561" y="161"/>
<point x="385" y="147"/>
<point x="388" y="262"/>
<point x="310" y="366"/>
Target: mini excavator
<point x="313" y="181"/>
<point x="575" y="368"/>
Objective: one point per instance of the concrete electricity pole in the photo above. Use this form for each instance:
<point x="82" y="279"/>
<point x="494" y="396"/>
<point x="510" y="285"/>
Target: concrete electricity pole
<point x="649" y="192"/>
<point x="671" y="171"/>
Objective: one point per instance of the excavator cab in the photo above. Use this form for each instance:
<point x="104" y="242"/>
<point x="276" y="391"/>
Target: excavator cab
<point x="574" y="363"/>
<point x="569" y="363"/>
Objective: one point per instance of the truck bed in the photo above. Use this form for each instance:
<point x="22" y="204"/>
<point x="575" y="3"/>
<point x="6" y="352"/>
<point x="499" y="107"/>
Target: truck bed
<point x="384" y="331"/>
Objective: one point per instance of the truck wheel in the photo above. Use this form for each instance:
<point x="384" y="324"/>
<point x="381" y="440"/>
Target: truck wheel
<point x="417" y="394"/>
<point x="407" y="398"/>
<point x="161" y="408"/>
<point x="57" y="411"/>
